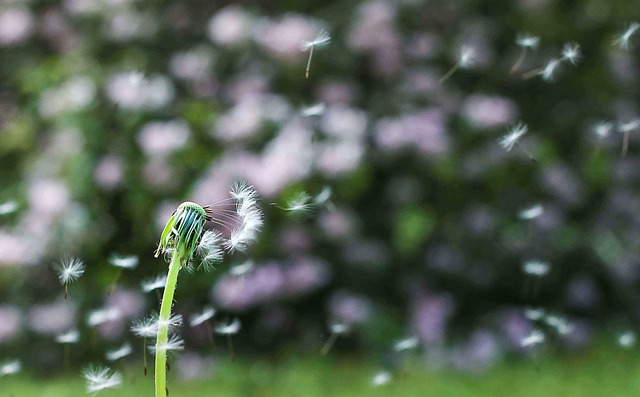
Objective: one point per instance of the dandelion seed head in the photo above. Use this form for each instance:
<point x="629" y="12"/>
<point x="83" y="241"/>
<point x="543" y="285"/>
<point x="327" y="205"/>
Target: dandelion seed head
<point x="526" y="40"/>
<point x="536" y="268"/>
<point x="231" y="328"/>
<point x="571" y="52"/>
<point x="69" y="270"/>
<point x="124" y="262"/>
<point x="323" y="38"/>
<point x="513" y="135"/>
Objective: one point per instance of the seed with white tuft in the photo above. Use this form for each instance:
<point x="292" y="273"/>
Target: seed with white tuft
<point x="124" y="262"/>
<point x="571" y="53"/>
<point x="174" y="343"/>
<point x="467" y="57"/>
<point x="602" y="128"/>
<point x="299" y="203"/>
<point x="406" y="344"/>
<point x="243" y="268"/>
<point x="69" y="337"/>
<point x="536" y="337"/>
<point x="323" y="38"/>
<point x="531" y="212"/>
<point x="100" y="378"/>
<point x="627" y="339"/>
<point x="200" y="318"/>
<point x="102" y="316"/>
<point x="313" y="110"/>
<point x="623" y="40"/>
<point x="209" y="250"/>
<point x="157" y="282"/>
<point x="550" y="68"/>
<point x="121" y="352"/>
<point x="8" y="207"/>
<point x="629" y="126"/>
<point x="11" y="367"/>
<point x="246" y="202"/>
<point x="534" y="314"/>
<point x="146" y="327"/>
<point x="381" y="378"/>
<point x="512" y="136"/>
<point x="526" y="40"/>
<point x="70" y="270"/>
<point x="231" y="328"/>
<point x="339" y="328"/>
<point x="536" y="268"/>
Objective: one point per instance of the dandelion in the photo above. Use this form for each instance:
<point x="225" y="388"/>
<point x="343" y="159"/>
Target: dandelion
<point x="336" y="330"/>
<point x="571" y="53"/>
<point x="406" y="344"/>
<point x="121" y="352"/>
<point x="536" y="337"/>
<point x="145" y="328"/>
<point x="627" y="339"/>
<point x="201" y="318"/>
<point x="69" y="270"/>
<point x="100" y="378"/>
<point x="626" y="129"/>
<point x="229" y="329"/>
<point x="532" y="212"/>
<point x="527" y="42"/>
<point x="154" y="283"/>
<point x="184" y="237"/>
<point x="623" y="40"/>
<point x="11" y="367"/>
<point x="8" y="207"/>
<point x="466" y="59"/>
<point x="313" y="110"/>
<point x="322" y="39"/>
<point x="381" y="378"/>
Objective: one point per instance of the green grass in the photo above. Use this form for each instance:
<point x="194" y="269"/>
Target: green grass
<point x="597" y="373"/>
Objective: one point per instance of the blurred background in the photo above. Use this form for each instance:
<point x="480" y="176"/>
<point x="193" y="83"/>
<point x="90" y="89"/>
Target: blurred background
<point x="418" y="231"/>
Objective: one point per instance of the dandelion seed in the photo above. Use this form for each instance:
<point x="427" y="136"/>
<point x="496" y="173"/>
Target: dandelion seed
<point x="571" y="53"/>
<point x="250" y="218"/>
<point x="536" y="268"/>
<point x="11" y="367"/>
<point x="314" y="110"/>
<point x="206" y="315"/>
<point x="69" y="337"/>
<point x="512" y="136"/>
<point x="560" y="323"/>
<point x="534" y="314"/>
<point x="124" y="262"/>
<point x="173" y="322"/>
<point x="381" y="378"/>
<point x="626" y="129"/>
<point x="525" y="41"/>
<point x="121" y="352"/>
<point x="336" y="330"/>
<point x="299" y="203"/>
<point x="8" y="207"/>
<point x="602" y="129"/>
<point x="209" y="250"/>
<point x="69" y="270"/>
<point x="536" y="337"/>
<point x="102" y="316"/>
<point x="550" y="68"/>
<point x="323" y="38"/>
<point x="466" y="60"/>
<point x="229" y="329"/>
<point x="145" y="328"/>
<point x="531" y="212"/>
<point x="406" y="344"/>
<point x="174" y="343"/>
<point x="100" y="378"/>
<point x="157" y="282"/>
<point x="627" y="339"/>
<point x="242" y="269"/>
<point x="623" y="40"/>
<point x="324" y="196"/>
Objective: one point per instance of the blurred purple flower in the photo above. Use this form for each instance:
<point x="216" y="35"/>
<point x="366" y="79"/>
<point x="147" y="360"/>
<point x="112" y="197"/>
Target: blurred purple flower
<point x="53" y="318"/>
<point x="16" y="24"/>
<point x="424" y="130"/>
<point x="230" y="26"/>
<point x="109" y="171"/>
<point x="431" y="314"/>
<point x="161" y="138"/>
<point x="10" y="322"/>
<point x="348" y="308"/>
<point x="484" y="111"/>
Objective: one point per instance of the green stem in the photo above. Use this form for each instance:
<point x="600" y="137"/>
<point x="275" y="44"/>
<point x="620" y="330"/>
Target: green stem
<point x="163" y="326"/>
